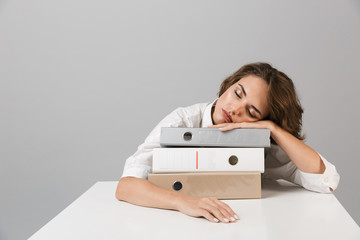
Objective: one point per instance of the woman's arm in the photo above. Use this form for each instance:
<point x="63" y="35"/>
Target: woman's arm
<point x="304" y="157"/>
<point x="141" y="192"/>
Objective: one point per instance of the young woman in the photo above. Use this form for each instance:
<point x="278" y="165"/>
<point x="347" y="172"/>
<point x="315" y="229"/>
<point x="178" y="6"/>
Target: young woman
<point x="255" y="96"/>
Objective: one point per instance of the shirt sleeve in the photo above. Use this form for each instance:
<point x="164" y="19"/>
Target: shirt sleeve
<point x="140" y="163"/>
<point x="281" y="167"/>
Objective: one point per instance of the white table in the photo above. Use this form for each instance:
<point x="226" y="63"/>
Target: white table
<point x="285" y="211"/>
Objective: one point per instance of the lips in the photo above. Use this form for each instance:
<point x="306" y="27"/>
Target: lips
<point x="226" y="116"/>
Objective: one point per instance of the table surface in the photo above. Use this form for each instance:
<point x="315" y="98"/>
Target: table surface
<point x="285" y="211"/>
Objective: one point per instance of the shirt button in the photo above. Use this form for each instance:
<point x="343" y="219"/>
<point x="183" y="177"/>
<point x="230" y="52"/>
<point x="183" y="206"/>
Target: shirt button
<point x="326" y="179"/>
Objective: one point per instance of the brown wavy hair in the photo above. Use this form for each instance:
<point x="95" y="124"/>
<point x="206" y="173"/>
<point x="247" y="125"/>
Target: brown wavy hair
<point x="284" y="106"/>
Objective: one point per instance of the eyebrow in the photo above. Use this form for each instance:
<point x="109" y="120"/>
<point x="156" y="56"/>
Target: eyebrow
<point x="242" y="89"/>
<point x="257" y="110"/>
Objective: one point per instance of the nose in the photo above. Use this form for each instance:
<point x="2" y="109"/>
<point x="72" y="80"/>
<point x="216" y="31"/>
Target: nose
<point x="238" y="109"/>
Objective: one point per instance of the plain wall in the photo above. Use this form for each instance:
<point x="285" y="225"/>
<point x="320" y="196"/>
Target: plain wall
<point x="84" y="82"/>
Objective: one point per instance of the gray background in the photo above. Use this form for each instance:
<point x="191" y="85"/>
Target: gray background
<point x="84" y="82"/>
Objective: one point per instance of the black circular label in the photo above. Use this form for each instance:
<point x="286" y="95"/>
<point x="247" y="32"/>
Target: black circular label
<point x="187" y="136"/>
<point x="233" y="160"/>
<point x="177" y="186"/>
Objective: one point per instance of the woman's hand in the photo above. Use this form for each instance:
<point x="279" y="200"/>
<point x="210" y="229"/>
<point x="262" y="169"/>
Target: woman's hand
<point x="210" y="208"/>
<point x="258" y="124"/>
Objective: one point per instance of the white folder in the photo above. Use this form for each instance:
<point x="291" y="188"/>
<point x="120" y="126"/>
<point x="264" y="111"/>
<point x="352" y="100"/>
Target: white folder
<point x="168" y="160"/>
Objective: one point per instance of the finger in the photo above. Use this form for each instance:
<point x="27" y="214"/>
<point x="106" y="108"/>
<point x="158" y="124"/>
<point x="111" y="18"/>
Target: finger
<point x="224" y="129"/>
<point x="215" y="203"/>
<point x="227" y="128"/>
<point x="217" y="125"/>
<point x="209" y="216"/>
<point x="228" y="208"/>
<point x="214" y="210"/>
<point x="247" y="125"/>
<point x="225" y="209"/>
<point x="233" y="126"/>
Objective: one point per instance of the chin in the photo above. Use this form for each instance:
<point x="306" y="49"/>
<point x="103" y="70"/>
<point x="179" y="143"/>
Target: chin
<point x="220" y="122"/>
<point x="216" y="122"/>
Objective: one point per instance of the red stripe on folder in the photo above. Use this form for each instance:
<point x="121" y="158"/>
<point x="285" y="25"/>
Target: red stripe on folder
<point x="197" y="159"/>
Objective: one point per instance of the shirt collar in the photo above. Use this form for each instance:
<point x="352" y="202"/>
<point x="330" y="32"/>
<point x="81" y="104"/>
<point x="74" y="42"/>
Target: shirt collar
<point x="207" y="119"/>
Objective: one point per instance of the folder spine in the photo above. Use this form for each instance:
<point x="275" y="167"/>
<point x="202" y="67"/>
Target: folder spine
<point x="167" y="160"/>
<point x="213" y="137"/>
<point x="236" y="185"/>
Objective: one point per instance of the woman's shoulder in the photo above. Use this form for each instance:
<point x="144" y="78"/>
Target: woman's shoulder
<point x="194" y="109"/>
<point x="189" y="116"/>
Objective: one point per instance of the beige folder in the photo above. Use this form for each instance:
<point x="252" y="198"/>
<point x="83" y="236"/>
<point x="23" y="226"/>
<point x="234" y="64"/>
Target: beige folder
<point x="222" y="185"/>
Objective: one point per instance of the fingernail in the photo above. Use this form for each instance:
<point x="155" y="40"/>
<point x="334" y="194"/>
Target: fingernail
<point x="236" y="216"/>
<point x="226" y="220"/>
<point x="216" y="220"/>
<point x="232" y="219"/>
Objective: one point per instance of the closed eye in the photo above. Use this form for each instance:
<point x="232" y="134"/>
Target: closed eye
<point x="237" y="94"/>
<point x="252" y="116"/>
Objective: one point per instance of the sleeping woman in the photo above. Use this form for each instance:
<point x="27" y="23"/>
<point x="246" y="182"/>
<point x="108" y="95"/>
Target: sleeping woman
<point x="255" y="96"/>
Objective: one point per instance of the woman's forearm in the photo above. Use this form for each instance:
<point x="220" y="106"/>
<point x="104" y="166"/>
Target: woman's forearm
<point x="304" y="157"/>
<point x="141" y="192"/>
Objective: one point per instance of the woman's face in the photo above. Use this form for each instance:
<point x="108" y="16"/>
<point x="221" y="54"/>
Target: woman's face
<point x="244" y="101"/>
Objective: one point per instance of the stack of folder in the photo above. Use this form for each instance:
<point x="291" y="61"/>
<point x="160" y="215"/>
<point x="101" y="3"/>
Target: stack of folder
<point x="206" y="162"/>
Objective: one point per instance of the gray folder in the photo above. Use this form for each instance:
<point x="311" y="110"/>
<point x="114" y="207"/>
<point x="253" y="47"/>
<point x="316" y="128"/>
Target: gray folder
<point x="213" y="137"/>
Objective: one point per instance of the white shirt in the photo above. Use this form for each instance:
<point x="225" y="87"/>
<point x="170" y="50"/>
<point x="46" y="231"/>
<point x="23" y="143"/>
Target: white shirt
<point x="277" y="164"/>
